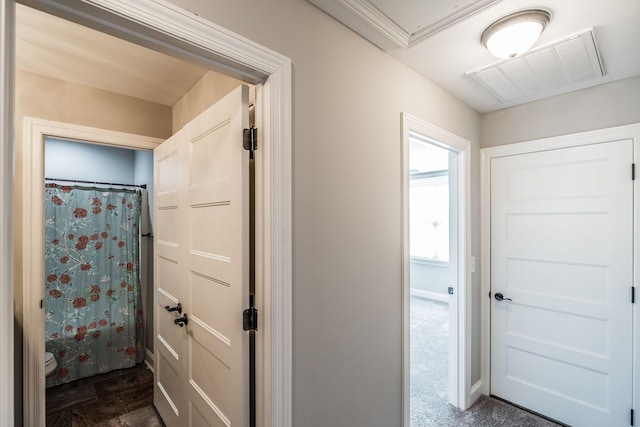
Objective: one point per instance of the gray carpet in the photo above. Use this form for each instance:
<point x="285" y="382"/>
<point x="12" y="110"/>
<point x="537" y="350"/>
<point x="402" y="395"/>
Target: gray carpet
<point x="429" y="378"/>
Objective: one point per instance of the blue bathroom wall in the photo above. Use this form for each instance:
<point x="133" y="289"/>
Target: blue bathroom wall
<point x="143" y="172"/>
<point x="90" y="162"/>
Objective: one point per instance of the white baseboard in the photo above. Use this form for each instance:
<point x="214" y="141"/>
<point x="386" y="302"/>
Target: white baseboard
<point x="429" y="295"/>
<point x="476" y="392"/>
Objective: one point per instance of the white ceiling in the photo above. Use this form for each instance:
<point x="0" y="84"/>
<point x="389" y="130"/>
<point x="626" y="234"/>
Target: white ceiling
<point x="441" y="38"/>
<point x="57" y="48"/>
<point x="438" y="38"/>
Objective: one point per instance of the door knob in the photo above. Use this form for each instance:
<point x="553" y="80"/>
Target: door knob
<point x="500" y="297"/>
<point x="177" y="308"/>
<point x="181" y="321"/>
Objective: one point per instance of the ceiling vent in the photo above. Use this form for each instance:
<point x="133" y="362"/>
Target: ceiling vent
<point x="550" y="70"/>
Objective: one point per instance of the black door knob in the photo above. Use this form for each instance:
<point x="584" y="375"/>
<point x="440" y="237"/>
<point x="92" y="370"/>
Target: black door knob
<point x="181" y="321"/>
<point x="500" y="297"/>
<point x="177" y="308"/>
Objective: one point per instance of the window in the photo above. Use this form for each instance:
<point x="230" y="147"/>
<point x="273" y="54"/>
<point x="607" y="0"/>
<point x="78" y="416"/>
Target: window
<point x="428" y="199"/>
<point x="429" y="215"/>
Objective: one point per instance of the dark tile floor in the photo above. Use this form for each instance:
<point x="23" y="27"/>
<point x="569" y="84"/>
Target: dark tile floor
<point x="118" y="398"/>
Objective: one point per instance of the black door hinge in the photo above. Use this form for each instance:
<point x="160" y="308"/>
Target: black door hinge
<point x="41" y="304"/>
<point x="633" y="171"/>
<point x="632" y="417"/>
<point x="250" y="140"/>
<point x="633" y="295"/>
<point x="250" y="319"/>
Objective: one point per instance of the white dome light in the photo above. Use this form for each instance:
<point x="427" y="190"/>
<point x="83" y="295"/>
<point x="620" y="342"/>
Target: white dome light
<point x="515" y="34"/>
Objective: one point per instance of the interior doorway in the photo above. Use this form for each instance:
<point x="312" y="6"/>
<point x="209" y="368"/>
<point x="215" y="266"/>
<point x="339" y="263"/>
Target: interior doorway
<point x="432" y="282"/>
<point x="435" y="275"/>
<point x="171" y="29"/>
<point x="37" y="132"/>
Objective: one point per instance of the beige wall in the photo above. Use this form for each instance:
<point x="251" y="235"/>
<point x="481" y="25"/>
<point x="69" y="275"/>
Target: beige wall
<point x="46" y="98"/>
<point x="599" y="107"/>
<point x="347" y="99"/>
<point x="209" y="89"/>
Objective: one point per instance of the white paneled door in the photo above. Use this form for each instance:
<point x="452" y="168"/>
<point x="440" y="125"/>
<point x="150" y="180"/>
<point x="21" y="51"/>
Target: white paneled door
<point x="561" y="277"/>
<point x="202" y="264"/>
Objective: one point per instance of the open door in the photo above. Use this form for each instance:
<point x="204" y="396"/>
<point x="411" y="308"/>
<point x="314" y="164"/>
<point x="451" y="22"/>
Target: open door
<point x="202" y="268"/>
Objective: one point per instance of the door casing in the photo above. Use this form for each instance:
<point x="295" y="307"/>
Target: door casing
<point x="461" y="392"/>
<point x="36" y="130"/>
<point x="172" y="30"/>
<point x="7" y="322"/>
<point x="564" y="141"/>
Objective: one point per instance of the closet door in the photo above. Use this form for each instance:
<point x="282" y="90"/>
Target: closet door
<point x="202" y="263"/>
<point x="561" y="277"/>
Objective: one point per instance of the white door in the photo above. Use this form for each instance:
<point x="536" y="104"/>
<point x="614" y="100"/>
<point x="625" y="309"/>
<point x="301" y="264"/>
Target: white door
<point x="561" y="251"/>
<point x="202" y="263"/>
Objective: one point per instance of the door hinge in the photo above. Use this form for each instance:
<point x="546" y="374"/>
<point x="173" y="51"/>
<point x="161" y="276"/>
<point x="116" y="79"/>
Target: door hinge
<point x="250" y="319"/>
<point x="632" y="417"/>
<point x="41" y="304"/>
<point x="489" y="294"/>
<point x="633" y="171"/>
<point x="250" y="140"/>
<point x="633" y="295"/>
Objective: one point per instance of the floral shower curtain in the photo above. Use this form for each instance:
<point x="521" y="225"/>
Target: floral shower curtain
<point x="93" y="308"/>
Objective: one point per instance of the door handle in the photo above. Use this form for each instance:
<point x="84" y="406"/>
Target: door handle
<point x="177" y="308"/>
<point x="500" y="297"/>
<point x="181" y="321"/>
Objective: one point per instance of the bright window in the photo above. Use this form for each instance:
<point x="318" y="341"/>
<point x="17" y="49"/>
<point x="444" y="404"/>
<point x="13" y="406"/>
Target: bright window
<point x="429" y="216"/>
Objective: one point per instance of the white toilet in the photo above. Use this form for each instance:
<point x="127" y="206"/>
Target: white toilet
<point x="50" y="363"/>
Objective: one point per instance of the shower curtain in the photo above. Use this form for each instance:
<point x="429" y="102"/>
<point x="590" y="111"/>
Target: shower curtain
<point x="93" y="308"/>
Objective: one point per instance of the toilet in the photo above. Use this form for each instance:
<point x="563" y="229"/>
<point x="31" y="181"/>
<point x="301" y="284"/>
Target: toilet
<point x="50" y="364"/>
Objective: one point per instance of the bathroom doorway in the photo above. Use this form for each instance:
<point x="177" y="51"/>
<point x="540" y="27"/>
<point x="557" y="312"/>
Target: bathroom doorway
<point x="36" y="132"/>
<point x="98" y="321"/>
<point x="435" y="274"/>
<point x="195" y="37"/>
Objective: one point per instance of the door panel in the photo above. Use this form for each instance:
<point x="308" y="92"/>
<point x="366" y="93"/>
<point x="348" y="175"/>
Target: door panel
<point x="168" y="396"/>
<point x="218" y="211"/>
<point x="203" y="258"/>
<point x="561" y="251"/>
<point x="168" y="270"/>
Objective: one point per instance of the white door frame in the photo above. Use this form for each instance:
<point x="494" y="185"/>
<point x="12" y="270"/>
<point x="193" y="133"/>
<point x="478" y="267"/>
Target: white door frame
<point x="33" y="166"/>
<point x="170" y="29"/>
<point x="460" y="385"/>
<point x="7" y="13"/>
<point x="564" y="141"/>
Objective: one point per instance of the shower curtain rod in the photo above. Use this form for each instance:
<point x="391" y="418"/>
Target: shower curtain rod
<point x="80" y="181"/>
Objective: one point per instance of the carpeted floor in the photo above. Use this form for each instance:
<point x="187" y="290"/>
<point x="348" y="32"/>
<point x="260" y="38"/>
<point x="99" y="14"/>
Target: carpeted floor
<point x="429" y="378"/>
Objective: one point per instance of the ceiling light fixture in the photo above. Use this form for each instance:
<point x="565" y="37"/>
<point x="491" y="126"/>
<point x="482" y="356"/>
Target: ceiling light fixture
<point x="515" y="34"/>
